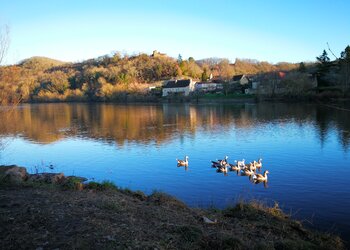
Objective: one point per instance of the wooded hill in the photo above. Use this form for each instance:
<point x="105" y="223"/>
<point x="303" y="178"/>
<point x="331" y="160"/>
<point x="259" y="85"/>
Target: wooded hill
<point x="109" y="78"/>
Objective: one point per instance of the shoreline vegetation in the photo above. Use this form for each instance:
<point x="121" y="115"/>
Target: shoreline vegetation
<point x="141" y="78"/>
<point x="48" y="211"/>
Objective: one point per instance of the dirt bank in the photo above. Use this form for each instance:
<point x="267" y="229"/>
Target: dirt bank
<point x="39" y="214"/>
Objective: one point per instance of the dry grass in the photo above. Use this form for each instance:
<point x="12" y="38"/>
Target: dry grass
<point x="36" y="213"/>
<point x="103" y="216"/>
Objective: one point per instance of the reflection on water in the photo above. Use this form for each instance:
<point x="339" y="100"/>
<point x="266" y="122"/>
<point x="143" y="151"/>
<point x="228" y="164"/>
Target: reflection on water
<point x="305" y="148"/>
<point x="142" y="124"/>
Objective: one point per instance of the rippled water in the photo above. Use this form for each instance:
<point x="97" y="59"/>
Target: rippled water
<point x="305" y="148"/>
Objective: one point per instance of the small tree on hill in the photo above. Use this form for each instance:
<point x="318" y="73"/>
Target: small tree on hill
<point x="204" y="75"/>
<point x="302" y="67"/>
<point x="323" y="68"/>
<point x="323" y="59"/>
<point x="179" y="59"/>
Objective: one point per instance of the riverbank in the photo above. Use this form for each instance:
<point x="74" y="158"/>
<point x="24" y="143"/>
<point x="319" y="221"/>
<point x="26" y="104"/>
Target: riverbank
<point x="206" y="98"/>
<point x="48" y="211"/>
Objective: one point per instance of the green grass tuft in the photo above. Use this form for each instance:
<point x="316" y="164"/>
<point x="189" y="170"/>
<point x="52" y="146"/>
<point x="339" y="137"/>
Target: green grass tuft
<point x="108" y="185"/>
<point x="105" y="185"/>
<point x="71" y="183"/>
<point x="253" y="210"/>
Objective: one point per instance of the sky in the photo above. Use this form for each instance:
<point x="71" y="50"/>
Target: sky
<point x="266" y="30"/>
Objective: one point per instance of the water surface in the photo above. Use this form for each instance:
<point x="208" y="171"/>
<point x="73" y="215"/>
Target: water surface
<point x="305" y="147"/>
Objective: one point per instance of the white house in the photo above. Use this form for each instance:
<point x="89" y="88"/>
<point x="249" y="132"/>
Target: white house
<point x="178" y="87"/>
<point x="208" y="86"/>
<point x="241" y="79"/>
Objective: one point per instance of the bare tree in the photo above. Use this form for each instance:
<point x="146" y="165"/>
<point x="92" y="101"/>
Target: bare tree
<point x="4" y="41"/>
<point x="7" y="93"/>
<point x="4" y="112"/>
<point x="329" y="48"/>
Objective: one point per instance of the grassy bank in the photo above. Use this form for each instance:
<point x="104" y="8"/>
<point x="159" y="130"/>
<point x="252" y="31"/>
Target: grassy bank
<point x="49" y="213"/>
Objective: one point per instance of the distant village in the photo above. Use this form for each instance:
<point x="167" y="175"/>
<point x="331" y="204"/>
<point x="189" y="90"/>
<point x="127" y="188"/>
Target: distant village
<point x="270" y="83"/>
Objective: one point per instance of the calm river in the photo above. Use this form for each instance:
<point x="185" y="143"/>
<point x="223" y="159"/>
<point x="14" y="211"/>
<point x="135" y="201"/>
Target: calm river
<point x="305" y="147"/>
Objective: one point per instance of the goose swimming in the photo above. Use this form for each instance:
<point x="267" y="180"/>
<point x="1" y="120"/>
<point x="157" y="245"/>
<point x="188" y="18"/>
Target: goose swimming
<point x="260" y="177"/>
<point x="182" y="162"/>
<point x="251" y="166"/>
<point x="235" y="167"/>
<point x="219" y="163"/>
<point x="240" y="163"/>
<point x="224" y="161"/>
<point x="258" y="164"/>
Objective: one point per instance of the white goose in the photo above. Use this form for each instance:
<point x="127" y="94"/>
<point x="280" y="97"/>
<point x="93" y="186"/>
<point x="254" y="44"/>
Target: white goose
<point x="219" y="163"/>
<point x="183" y="162"/>
<point x="235" y="167"/>
<point x="258" y="164"/>
<point x="251" y="166"/>
<point x="224" y="161"/>
<point x="260" y="177"/>
<point x="240" y="163"/>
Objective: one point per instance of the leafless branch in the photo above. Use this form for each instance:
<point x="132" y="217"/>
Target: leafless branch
<point x="329" y="48"/>
<point x="4" y="41"/>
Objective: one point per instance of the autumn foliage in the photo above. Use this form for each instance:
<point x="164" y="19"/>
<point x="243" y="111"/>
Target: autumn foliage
<point x="110" y="78"/>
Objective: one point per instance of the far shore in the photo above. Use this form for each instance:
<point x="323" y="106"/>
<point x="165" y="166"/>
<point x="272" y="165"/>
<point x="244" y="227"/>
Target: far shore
<point x="203" y="100"/>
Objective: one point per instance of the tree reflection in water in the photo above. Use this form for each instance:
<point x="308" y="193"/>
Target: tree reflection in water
<point x="144" y="124"/>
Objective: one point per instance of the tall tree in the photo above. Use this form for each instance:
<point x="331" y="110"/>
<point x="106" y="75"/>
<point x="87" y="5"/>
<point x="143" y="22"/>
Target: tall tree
<point x="345" y="68"/>
<point x="323" y="58"/>
<point x="7" y="92"/>
<point x="345" y="55"/>
<point x="323" y="69"/>
<point x="179" y="59"/>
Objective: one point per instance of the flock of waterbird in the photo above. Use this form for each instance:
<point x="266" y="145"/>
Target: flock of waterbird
<point x="240" y="167"/>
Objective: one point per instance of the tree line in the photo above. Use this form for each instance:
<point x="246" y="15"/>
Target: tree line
<point x="110" y="78"/>
<point x="336" y="73"/>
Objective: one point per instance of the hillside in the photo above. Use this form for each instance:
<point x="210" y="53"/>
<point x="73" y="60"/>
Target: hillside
<point x="40" y="63"/>
<point x="111" y="78"/>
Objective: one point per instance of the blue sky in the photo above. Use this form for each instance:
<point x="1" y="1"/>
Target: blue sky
<point x="269" y="30"/>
